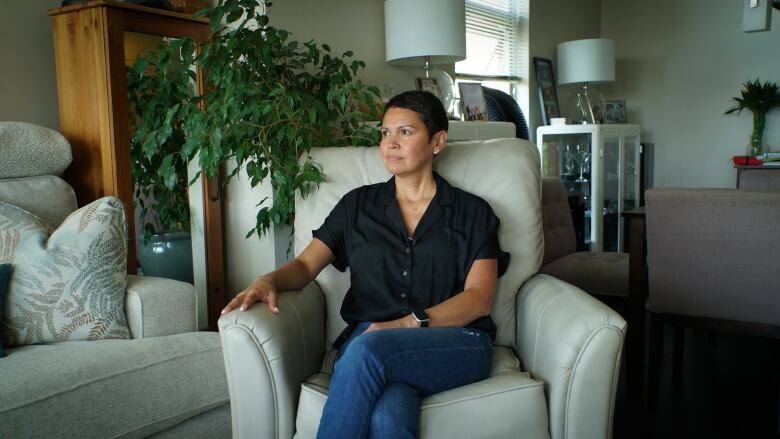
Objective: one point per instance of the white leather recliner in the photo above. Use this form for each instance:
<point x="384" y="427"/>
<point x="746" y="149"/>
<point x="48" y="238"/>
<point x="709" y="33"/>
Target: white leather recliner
<point x="557" y="356"/>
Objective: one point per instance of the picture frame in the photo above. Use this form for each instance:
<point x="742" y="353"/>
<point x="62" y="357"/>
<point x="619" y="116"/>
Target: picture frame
<point x="548" y="93"/>
<point x="615" y="111"/>
<point x="430" y="85"/>
<point x="473" y="101"/>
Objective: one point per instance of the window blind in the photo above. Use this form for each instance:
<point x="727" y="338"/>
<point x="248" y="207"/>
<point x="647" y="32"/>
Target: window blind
<point x="495" y="45"/>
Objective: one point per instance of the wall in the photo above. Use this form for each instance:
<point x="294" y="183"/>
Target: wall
<point x="679" y="62"/>
<point x="28" y="85"/>
<point x="554" y="22"/>
<point x="356" y="25"/>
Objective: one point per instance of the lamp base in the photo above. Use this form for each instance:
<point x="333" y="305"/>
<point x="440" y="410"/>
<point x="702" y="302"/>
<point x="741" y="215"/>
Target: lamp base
<point x="586" y="106"/>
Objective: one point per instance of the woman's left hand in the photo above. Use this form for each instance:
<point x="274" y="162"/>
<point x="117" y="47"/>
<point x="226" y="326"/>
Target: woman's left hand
<point x="404" y="322"/>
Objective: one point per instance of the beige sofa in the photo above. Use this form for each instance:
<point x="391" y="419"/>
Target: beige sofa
<point x="558" y="350"/>
<point x="167" y="381"/>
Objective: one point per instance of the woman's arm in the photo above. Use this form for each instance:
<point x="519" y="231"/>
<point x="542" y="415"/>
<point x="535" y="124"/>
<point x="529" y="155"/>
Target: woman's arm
<point x="293" y="275"/>
<point x="475" y="301"/>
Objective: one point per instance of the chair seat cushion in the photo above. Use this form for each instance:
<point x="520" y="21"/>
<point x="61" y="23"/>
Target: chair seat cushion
<point x="597" y="273"/>
<point x="110" y="388"/>
<point x="507" y="402"/>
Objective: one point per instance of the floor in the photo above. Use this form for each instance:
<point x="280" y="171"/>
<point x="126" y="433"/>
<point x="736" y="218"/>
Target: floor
<point x="728" y="387"/>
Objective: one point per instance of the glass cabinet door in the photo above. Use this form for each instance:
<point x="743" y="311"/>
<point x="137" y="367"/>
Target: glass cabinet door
<point x="568" y="157"/>
<point x="610" y="207"/>
<point x="600" y="168"/>
<point x="630" y="174"/>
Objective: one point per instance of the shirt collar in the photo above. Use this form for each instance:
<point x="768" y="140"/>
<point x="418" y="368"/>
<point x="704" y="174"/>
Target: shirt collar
<point x="444" y="195"/>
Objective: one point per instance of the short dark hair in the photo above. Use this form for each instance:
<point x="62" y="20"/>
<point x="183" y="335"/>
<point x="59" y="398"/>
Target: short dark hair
<point x="424" y="103"/>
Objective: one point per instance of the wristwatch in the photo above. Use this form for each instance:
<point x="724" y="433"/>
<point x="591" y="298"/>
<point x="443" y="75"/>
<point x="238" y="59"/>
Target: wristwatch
<point x="421" y="316"/>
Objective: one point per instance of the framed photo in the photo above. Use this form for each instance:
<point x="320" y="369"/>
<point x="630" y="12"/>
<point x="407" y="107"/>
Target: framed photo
<point x="473" y="101"/>
<point x="615" y="111"/>
<point x="430" y="85"/>
<point x="548" y="94"/>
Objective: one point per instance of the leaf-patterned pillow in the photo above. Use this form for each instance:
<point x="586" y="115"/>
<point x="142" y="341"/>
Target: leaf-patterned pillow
<point x="69" y="285"/>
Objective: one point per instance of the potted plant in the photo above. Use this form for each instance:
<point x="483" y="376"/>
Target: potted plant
<point x="759" y="99"/>
<point x="268" y="101"/>
<point x="162" y="205"/>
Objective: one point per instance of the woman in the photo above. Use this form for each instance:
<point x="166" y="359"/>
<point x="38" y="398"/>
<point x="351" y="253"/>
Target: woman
<point x="424" y="258"/>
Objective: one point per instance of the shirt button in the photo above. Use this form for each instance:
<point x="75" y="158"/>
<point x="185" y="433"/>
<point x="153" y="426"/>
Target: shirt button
<point x="404" y="273"/>
<point x="403" y="295"/>
<point x="406" y="251"/>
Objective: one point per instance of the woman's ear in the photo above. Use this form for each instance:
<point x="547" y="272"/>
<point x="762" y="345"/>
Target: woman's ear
<point x="439" y="141"/>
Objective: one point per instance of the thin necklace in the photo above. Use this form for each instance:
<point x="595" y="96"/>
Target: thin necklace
<point x="414" y="205"/>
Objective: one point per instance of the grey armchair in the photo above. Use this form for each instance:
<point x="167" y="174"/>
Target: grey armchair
<point x="557" y="350"/>
<point x="604" y="274"/>
<point x="712" y="259"/>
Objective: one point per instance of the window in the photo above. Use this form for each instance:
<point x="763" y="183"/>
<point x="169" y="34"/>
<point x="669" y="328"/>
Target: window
<point x="497" y="47"/>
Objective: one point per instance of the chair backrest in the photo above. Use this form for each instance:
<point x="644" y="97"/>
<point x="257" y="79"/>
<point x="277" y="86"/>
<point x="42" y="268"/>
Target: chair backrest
<point x="714" y="253"/>
<point x="503" y="108"/>
<point x="504" y="172"/>
<point x="32" y="158"/>
<point x="559" y="237"/>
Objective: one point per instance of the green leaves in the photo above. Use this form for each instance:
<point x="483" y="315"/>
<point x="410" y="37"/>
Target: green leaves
<point x="756" y="97"/>
<point x="268" y="101"/>
<point x="759" y="99"/>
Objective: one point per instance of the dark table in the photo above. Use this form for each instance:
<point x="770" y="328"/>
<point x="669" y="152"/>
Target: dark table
<point x="637" y="295"/>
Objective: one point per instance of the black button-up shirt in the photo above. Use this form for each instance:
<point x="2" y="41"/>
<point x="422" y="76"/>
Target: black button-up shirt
<point x="392" y="273"/>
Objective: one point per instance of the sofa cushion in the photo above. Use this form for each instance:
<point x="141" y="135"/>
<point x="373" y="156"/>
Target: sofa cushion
<point x="597" y="273"/>
<point x="70" y="285"/>
<point x="5" y="275"/>
<point x="47" y="197"/>
<point x="110" y="388"/>
<point x="516" y="402"/>
<point x="27" y="150"/>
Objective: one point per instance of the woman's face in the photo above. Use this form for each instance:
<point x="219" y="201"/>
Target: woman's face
<point x="405" y="147"/>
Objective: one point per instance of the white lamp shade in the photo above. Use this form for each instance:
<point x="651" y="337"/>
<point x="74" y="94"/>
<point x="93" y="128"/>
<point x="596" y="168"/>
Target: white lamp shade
<point x="415" y="29"/>
<point x="591" y="61"/>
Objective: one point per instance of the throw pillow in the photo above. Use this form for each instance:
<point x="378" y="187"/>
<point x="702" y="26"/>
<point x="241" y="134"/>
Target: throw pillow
<point x="5" y="273"/>
<point x="67" y="285"/>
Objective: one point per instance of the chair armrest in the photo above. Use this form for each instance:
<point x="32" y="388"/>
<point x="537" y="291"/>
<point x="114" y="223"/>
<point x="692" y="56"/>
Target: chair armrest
<point x="156" y="307"/>
<point x="573" y="343"/>
<point x="267" y="356"/>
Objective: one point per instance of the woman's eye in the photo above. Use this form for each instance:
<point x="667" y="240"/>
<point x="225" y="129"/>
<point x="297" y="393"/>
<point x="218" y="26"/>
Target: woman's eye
<point x="385" y="133"/>
<point x="406" y="132"/>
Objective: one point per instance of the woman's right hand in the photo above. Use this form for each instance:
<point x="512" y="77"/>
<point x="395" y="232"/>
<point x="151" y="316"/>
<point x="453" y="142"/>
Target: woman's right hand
<point x="261" y="290"/>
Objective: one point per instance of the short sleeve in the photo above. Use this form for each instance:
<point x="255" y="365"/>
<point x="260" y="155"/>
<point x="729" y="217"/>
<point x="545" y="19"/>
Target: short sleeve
<point x="486" y="239"/>
<point x="333" y="233"/>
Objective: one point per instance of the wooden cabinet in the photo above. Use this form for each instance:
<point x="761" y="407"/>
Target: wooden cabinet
<point x="90" y="44"/>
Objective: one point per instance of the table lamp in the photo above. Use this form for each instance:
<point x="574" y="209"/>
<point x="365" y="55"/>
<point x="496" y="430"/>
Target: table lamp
<point x="586" y="62"/>
<point x="424" y="34"/>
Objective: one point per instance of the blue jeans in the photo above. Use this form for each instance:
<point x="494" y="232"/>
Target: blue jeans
<point x="380" y="378"/>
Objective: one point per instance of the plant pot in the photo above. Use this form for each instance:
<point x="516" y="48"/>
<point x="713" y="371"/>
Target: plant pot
<point x="167" y="255"/>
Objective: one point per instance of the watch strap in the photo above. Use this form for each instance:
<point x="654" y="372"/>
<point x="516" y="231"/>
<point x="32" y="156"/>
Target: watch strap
<point x="421" y="316"/>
